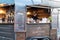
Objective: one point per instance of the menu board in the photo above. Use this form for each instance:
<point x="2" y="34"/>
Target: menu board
<point x="19" y="22"/>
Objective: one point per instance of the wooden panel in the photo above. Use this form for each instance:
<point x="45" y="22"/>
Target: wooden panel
<point x="7" y="32"/>
<point x="20" y="36"/>
<point x="38" y="30"/>
<point x="54" y="34"/>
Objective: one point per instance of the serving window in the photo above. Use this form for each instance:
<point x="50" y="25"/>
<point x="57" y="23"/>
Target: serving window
<point x="38" y="15"/>
<point x="7" y="14"/>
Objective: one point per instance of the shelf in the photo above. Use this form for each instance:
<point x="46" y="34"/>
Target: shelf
<point x="36" y="23"/>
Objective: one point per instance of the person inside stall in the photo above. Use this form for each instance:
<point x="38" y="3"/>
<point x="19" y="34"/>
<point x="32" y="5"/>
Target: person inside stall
<point x="10" y="18"/>
<point x="3" y="19"/>
<point x="35" y="17"/>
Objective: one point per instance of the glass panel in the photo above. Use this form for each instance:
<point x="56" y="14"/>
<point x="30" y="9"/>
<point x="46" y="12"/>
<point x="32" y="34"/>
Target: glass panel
<point x="54" y="14"/>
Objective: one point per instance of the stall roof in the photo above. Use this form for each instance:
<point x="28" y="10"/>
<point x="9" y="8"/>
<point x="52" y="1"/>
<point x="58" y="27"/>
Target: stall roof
<point x="38" y="6"/>
<point x="51" y="3"/>
<point x="6" y="5"/>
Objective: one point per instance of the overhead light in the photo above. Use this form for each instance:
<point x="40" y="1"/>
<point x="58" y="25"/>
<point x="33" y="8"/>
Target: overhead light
<point x="1" y="4"/>
<point x="28" y="13"/>
<point x="2" y="11"/>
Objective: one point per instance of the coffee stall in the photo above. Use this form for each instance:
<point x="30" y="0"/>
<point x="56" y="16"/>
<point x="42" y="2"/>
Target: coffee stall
<point x="27" y="26"/>
<point x="38" y="21"/>
<point x="7" y="22"/>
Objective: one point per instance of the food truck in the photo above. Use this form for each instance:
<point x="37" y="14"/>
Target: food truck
<point x="29" y="20"/>
<point x="35" y="19"/>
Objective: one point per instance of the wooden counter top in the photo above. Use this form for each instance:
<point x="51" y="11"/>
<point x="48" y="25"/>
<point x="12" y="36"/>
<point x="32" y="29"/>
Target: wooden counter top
<point x="6" y="23"/>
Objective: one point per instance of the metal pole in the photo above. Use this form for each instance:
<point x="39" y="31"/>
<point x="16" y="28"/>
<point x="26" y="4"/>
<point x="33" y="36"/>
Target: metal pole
<point x="32" y="2"/>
